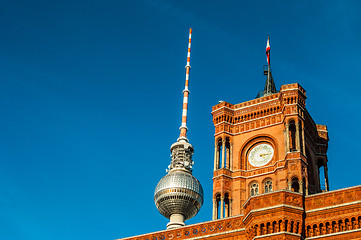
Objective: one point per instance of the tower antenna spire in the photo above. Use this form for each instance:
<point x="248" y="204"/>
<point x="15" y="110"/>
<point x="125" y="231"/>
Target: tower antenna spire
<point x="179" y="195"/>
<point x="183" y="128"/>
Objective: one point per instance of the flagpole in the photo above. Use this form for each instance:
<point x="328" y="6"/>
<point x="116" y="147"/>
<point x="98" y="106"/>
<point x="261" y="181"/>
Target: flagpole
<point x="269" y="68"/>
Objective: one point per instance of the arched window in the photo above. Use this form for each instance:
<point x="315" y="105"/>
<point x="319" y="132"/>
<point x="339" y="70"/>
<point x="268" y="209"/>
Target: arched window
<point x="227" y="208"/>
<point x="268" y="186"/>
<point x="218" y="206"/>
<point x="295" y="187"/>
<point x="254" y="189"/>
<point x="223" y="153"/>
<point x="222" y="206"/>
<point x="322" y="181"/>
<point x="292" y="135"/>
<point x="219" y="154"/>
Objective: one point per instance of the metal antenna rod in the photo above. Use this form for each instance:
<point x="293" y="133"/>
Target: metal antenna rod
<point x="183" y="128"/>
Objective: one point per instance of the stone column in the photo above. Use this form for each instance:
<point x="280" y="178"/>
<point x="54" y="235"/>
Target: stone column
<point x="226" y="208"/>
<point x="231" y="156"/>
<point x="302" y="136"/>
<point x="297" y="125"/>
<point x="223" y="152"/>
<point x="328" y="229"/>
<point x="323" y="230"/>
<point x="214" y="217"/>
<point x="215" y="157"/>
<point x="289" y="185"/>
<point x="258" y="231"/>
<point x="288" y="226"/>
<point x="218" y="157"/>
<point x="300" y="182"/>
<point x="325" y="169"/>
<point x="264" y="230"/>
<point x="275" y="227"/>
<point x="227" y="158"/>
<point x="282" y="227"/>
<point x="287" y="137"/>
<point x="221" y="205"/>
<point x="299" y="228"/>
<point x="230" y="207"/>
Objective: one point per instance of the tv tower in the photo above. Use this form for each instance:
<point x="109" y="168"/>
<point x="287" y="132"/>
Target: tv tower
<point x="179" y="195"/>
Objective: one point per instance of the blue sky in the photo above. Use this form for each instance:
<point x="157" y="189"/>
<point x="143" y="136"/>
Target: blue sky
<point x="91" y="98"/>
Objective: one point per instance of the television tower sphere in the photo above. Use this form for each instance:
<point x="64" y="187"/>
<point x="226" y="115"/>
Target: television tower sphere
<point x="179" y="195"/>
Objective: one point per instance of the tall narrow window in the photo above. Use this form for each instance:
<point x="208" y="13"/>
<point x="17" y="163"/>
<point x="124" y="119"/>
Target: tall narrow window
<point x="254" y="189"/>
<point x="268" y="186"/>
<point x="218" y="206"/>
<point x="292" y="134"/>
<point x="219" y="154"/>
<point x="295" y="185"/>
<point x="321" y="175"/>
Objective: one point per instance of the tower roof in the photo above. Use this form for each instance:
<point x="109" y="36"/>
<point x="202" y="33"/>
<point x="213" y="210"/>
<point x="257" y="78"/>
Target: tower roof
<point x="270" y="86"/>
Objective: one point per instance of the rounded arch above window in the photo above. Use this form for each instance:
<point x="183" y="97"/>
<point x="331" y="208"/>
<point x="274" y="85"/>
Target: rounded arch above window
<point x="321" y="162"/>
<point x="217" y="195"/>
<point x="291" y="121"/>
<point x="295" y="185"/>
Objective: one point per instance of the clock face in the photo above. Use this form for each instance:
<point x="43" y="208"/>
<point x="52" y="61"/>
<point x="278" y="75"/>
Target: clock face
<point x="260" y="155"/>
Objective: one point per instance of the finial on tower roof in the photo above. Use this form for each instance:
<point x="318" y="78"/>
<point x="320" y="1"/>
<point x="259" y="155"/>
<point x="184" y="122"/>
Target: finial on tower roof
<point x="183" y="128"/>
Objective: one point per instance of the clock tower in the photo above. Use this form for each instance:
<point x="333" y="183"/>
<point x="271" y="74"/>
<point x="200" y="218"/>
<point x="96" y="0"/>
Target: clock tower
<point x="266" y="144"/>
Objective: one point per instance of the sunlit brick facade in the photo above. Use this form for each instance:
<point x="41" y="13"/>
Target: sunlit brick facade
<point x="270" y="176"/>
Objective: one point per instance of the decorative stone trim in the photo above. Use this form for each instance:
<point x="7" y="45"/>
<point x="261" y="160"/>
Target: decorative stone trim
<point x="277" y="233"/>
<point x="333" y="206"/>
<point x="333" y="234"/>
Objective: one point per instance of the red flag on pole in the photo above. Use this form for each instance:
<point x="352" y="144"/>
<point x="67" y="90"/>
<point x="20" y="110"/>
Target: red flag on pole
<point x="268" y="49"/>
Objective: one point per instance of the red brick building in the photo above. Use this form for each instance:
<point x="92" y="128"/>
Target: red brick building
<point x="270" y="176"/>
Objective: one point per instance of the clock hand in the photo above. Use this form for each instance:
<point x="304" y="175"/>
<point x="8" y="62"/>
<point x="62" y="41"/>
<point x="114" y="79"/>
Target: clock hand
<point x="264" y="154"/>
